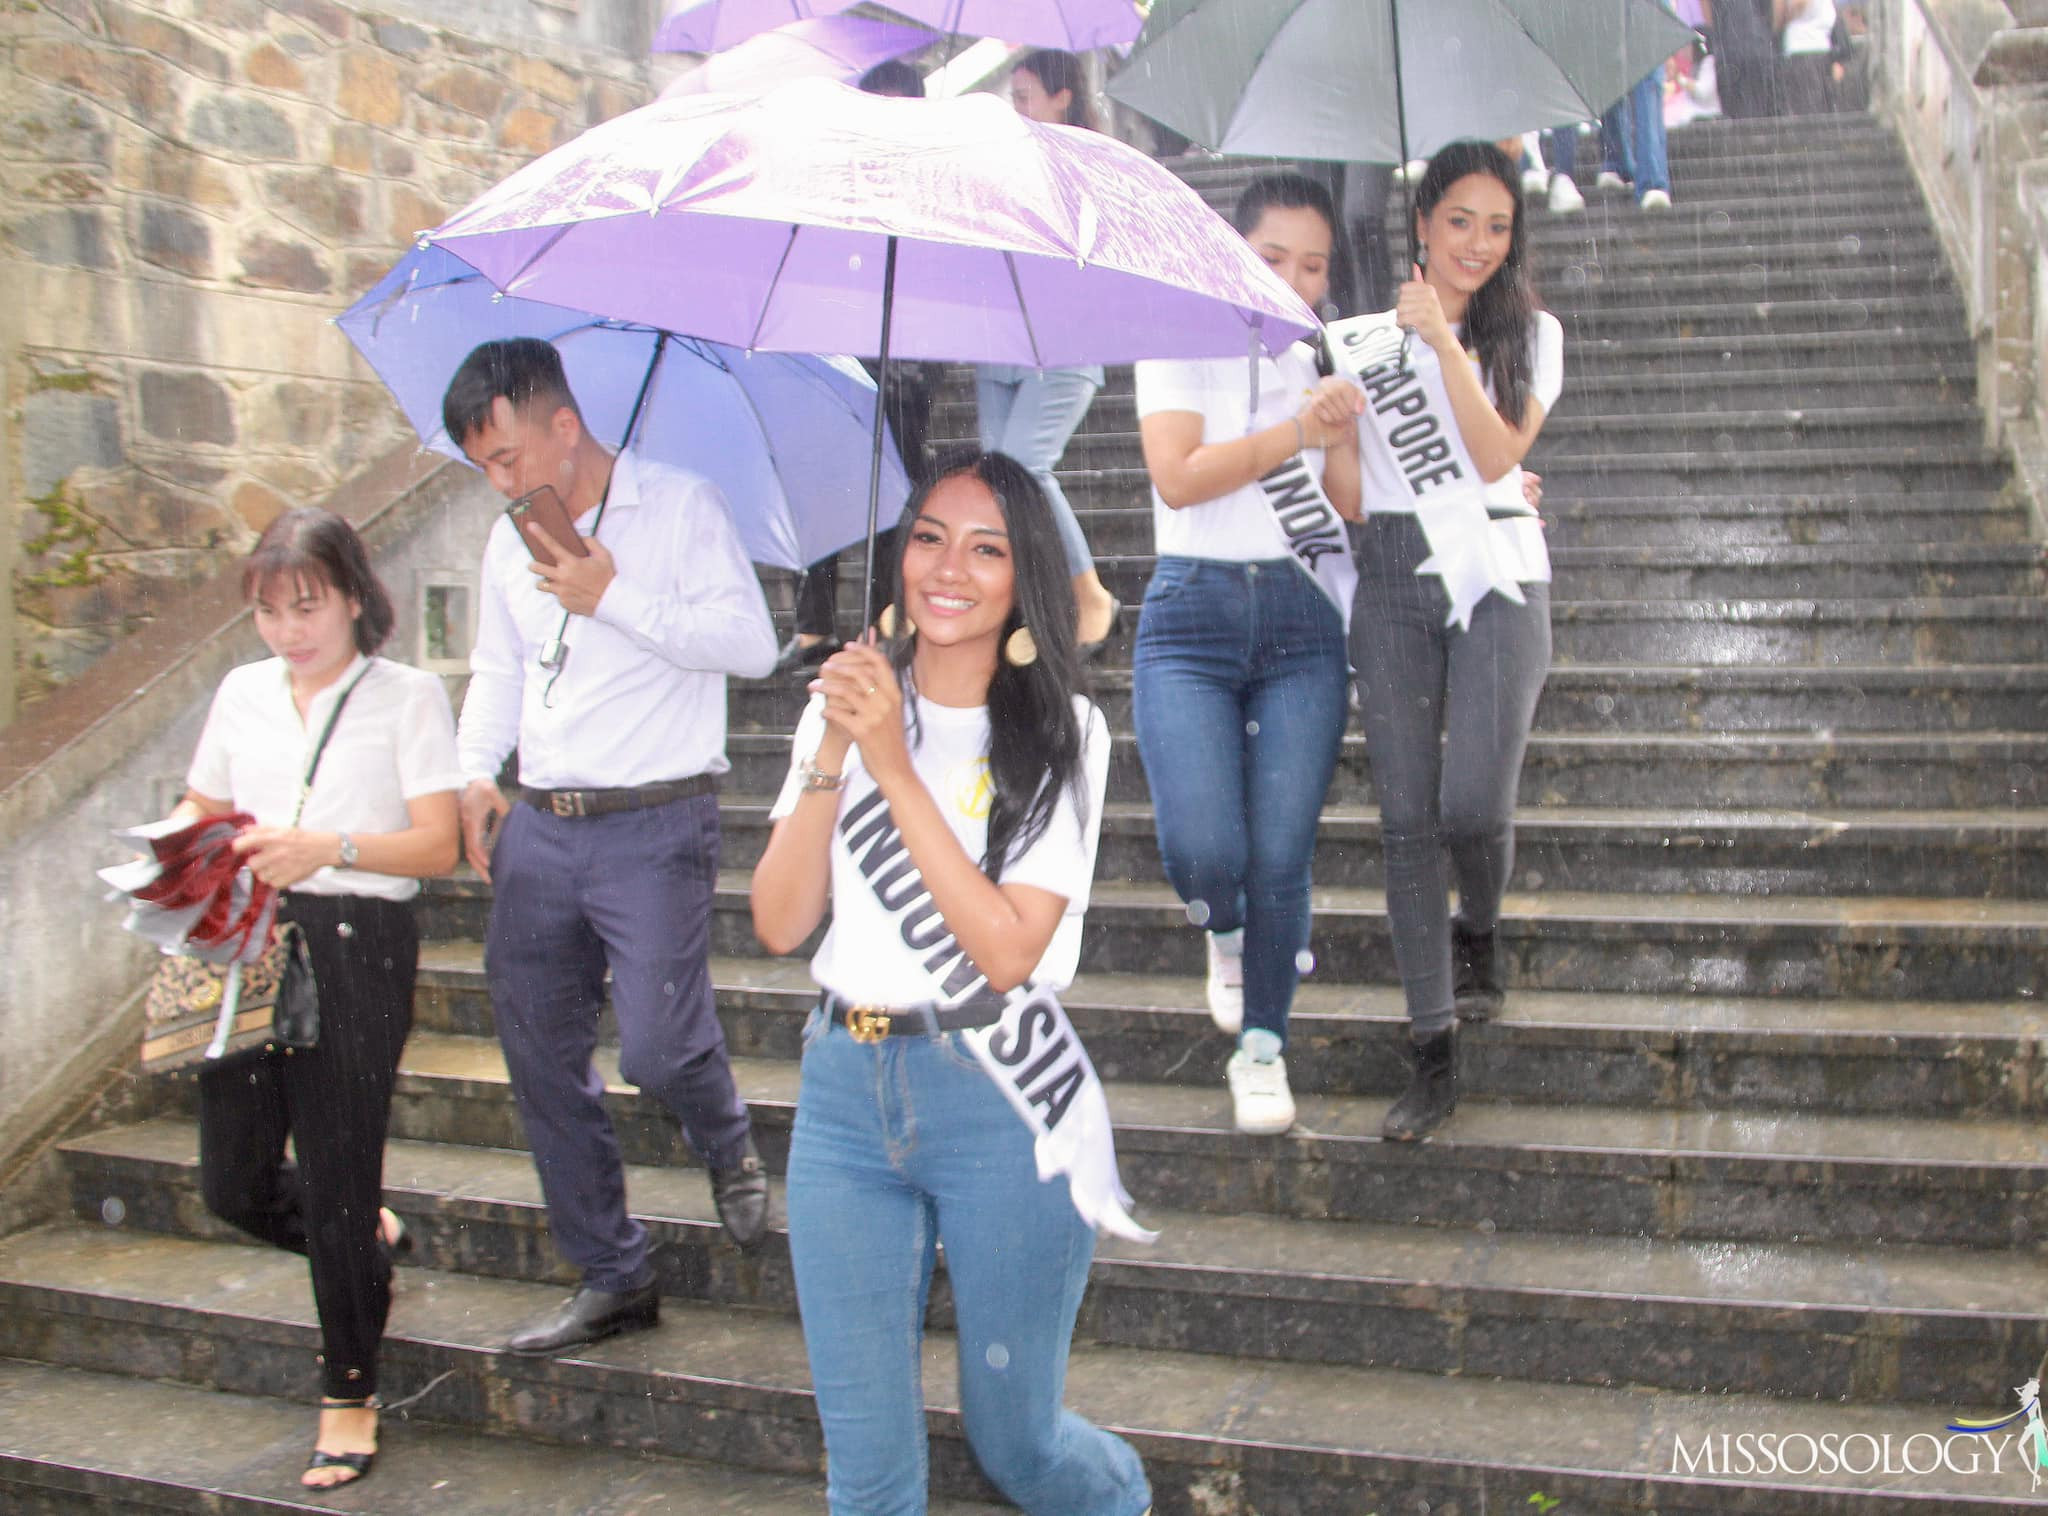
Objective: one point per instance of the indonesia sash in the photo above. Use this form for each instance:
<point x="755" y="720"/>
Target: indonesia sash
<point x="1408" y="417"/>
<point x="1032" y="1051"/>
<point x="1313" y="530"/>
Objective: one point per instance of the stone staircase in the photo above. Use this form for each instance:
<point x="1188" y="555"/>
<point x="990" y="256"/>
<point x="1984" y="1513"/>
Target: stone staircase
<point x="1754" y="1152"/>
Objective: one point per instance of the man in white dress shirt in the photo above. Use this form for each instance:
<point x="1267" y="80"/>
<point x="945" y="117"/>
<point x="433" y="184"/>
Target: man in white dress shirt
<point x="607" y="672"/>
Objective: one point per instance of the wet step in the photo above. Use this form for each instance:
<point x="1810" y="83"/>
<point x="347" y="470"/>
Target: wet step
<point x="1901" y="352"/>
<point x="1814" y="700"/>
<point x="1874" y="469"/>
<point x="1682" y="396"/>
<point x="1962" y="854"/>
<point x="1906" y="1323"/>
<point x="1869" y="771"/>
<point x="730" y="1386"/>
<point x="76" y="1441"/>
<point x="1619" y="284"/>
<point x="1698" y="1052"/>
<point x="1741" y="435"/>
<point x="1628" y="1171"/>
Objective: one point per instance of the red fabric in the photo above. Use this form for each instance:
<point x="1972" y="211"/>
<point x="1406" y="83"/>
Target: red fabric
<point x="199" y="863"/>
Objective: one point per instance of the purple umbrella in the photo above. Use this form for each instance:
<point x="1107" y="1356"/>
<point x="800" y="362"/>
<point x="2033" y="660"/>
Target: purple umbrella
<point x="1076" y="25"/>
<point x="827" y="47"/>
<point x="712" y="26"/>
<point x="816" y="218"/>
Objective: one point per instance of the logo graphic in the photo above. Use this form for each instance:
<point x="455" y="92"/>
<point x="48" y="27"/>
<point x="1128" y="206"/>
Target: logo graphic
<point x="2036" y="1435"/>
<point x="972" y="791"/>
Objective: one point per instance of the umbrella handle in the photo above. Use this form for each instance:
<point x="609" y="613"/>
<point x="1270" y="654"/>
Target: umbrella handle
<point x="230" y="1003"/>
<point x="867" y="578"/>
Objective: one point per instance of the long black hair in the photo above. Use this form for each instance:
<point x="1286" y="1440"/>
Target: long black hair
<point x="1501" y="311"/>
<point x="313" y="546"/>
<point x="1034" y="735"/>
<point x="1061" y="71"/>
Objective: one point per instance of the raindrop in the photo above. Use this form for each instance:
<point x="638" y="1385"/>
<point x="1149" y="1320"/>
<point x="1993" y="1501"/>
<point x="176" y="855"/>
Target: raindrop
<point x="1755" y="276"/>
<point x="1856" y="313"/>
<point x="1719" y="221"/>
<point x="1251" y="729"/>
<point x="1486" y="1225"/>
<point x="113" y="1210"/>
<point x="1198" y="912"/>
<point x="1852" y="244"/>
<point x="668" y="987"/>
<point x="853" y="262"/>
<point x="1724" y="442"/>
<point x="998" y="1356"/>
<point x="1575" y="277"/>
<point x="1534" y="878"/>
<point x="1305" y="962"/>
<point x="1603" y="704"/>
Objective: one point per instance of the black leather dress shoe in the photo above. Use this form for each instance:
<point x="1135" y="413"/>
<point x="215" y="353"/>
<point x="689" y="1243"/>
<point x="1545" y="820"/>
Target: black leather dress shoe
<point x="741" y="1195"/>
<point x="588" y="1316"/>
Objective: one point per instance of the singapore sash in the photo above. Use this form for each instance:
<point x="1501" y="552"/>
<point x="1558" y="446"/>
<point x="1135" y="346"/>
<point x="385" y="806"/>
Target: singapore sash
<point x="1031" y="1051"/>
<point x="1408" y="417"/>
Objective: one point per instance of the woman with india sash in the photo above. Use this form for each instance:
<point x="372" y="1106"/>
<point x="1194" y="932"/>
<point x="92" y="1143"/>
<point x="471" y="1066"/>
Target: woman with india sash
<point x="944" y="803"/>
<point x="1450" y="631"/>
<point x="1239" y="671"/>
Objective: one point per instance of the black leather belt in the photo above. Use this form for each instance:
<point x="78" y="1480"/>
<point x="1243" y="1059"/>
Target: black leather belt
<point x="575" y="803"/>
<point x="871" y="1023"/>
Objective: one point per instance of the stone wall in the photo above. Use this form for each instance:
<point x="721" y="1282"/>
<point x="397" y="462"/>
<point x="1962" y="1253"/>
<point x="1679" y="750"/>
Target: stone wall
<point x="189" y="190"/>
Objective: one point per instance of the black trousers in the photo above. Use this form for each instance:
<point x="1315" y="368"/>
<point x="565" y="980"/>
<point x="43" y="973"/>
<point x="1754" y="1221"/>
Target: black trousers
<point x="333" y="1101"/>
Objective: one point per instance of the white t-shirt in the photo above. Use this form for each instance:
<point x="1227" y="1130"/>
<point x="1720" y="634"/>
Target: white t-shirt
<point x="395" y="742"/>
<point x="1385" y="491"/>
<point x="1238" y="527"/>
<point x="1812" y="30"/>
<point x="867" y="955"/>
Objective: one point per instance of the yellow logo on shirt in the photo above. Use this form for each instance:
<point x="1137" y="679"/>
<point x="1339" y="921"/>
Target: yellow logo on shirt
<point x="973" y="793"/>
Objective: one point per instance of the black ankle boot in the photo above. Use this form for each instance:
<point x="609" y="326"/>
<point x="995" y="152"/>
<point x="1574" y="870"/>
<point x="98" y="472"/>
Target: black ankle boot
<point x="1475" y="973"/>
<point x="1432" y="1092"/>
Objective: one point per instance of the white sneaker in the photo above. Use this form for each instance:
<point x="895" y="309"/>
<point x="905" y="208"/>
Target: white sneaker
<point x="1535" y="180"/>
<point x="1226" y="982"/>
<point x="1263" y="1105"/>
<point x="1564" y="195"/>
<point x="1609" y="180"/>
<point x="1656" y="200"/>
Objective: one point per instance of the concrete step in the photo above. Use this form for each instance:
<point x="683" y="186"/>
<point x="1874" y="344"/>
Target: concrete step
<point x="1933" y="1324"/>
<point x="1621" y="700"/>
<point x="75" y="1441"/>
<point x="729" y="1386"/>
<point x="1879" y="948"/>
<point x="1983" y="854"/>
<point x="1682" y="396"/>
<point x="1871" y="771"/>
<point x="1624" y="440"/>
<point x="1698" y="1052"/>
<point x="1876" y="469"/>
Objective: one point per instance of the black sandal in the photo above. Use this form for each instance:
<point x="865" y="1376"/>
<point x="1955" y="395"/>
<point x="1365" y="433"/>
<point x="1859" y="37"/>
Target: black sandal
<point x="358" y="1464"/>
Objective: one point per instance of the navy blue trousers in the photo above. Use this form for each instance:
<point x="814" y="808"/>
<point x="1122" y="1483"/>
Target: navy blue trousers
<point x="630" y="891"/>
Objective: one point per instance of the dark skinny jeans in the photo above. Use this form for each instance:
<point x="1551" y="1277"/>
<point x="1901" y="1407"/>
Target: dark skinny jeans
<point x="1447" y="716"/>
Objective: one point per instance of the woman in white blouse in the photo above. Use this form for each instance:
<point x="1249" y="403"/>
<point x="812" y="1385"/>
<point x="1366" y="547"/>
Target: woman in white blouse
<point x="943" y="802"/>
<point x="380" y="815"/>
<point x="1450" y="632"/>
<point x="1239" y="671"/>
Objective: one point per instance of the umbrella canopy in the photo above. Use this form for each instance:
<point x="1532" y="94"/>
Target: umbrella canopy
<point x="712" y="26"/>
<point x="190" y="894"/>
<point x="769" y="223"/>
<point x="1383" y="81"/>
<point x="827" y="47"/>
<point x="784" y="436"/>
<point x="1075" y="25"/>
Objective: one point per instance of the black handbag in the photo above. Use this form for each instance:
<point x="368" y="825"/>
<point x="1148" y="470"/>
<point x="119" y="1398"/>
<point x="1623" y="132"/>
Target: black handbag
<point x="295" y="1015"/>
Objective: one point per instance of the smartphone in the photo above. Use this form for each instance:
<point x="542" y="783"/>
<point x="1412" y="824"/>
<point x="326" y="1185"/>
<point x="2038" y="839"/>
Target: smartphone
<point x="544" y="508"/>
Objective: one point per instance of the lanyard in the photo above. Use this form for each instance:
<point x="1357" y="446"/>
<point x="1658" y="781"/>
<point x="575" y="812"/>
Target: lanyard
<point x="306" y="784"/>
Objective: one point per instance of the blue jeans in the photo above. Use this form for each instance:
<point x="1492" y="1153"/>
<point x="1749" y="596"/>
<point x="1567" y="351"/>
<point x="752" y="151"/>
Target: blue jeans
<point x="1632" y="136"/>
<point x="901" y="1145"/>
<point x="1030" y="414"/>
<point x="1239" y="673"/>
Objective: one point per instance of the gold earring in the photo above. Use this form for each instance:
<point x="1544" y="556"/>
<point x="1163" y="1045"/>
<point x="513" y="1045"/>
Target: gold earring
<point x="1020" y="648"/>
<point x="888" y="622"/>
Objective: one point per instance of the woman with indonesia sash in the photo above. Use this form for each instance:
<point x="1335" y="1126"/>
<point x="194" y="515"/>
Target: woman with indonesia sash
<point x="1450" y="632"/>
<point x="1239" y="668"/>
<point x="943" y="803"/>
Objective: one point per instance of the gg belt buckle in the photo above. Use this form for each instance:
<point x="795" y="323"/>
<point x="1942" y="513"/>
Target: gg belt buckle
<point x="867" y="1023"/>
